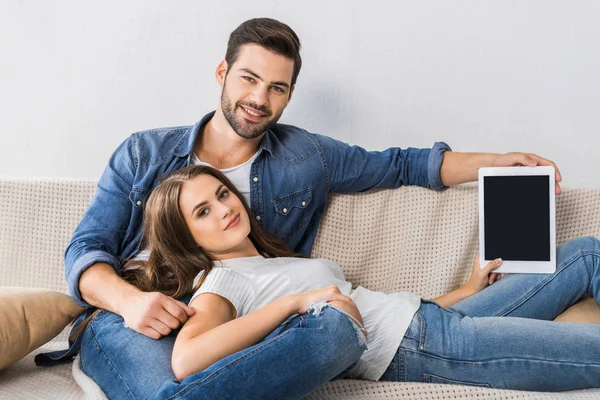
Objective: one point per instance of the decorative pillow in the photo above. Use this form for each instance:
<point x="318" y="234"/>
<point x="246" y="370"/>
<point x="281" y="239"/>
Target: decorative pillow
<point x="29" y="318"/>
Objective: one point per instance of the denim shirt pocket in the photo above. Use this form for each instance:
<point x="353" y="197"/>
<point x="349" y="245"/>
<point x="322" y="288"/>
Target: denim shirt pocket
<point x="290" y="212"/>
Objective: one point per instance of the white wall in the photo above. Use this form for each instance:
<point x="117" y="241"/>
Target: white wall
<point x="76" y="77"/>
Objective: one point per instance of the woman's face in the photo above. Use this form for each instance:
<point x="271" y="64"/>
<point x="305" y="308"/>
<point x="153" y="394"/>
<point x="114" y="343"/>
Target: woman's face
<point x="215" y="216"/>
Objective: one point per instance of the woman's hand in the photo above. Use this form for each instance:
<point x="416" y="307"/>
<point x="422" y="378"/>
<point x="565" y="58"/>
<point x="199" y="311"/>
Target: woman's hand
<point x="330" y="294"/>
<point x="482" y="277"/>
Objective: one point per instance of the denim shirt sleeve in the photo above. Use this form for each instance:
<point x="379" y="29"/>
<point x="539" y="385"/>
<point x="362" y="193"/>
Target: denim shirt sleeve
<point x="354" y="169"/>
<point x="101" y="231"/>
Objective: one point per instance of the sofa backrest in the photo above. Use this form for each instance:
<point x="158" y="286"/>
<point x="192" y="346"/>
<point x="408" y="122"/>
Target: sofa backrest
<point x="410" y="239"/>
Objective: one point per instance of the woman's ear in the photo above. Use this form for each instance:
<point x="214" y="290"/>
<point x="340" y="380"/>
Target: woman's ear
<point x="221" y="72"/>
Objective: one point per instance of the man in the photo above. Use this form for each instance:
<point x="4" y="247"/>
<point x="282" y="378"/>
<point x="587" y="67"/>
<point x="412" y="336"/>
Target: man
<point x="285" y="173"/>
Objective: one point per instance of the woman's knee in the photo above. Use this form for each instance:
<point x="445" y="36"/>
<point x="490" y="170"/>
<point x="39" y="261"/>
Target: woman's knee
<point x="579" y="245"/>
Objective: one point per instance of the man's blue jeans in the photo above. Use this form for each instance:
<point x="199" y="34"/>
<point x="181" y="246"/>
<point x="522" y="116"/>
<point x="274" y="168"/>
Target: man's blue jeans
<point x="504" y="337"/>
<point x="303" y="353"/>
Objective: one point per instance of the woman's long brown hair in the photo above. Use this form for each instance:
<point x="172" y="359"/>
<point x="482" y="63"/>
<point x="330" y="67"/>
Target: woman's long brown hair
<point x="175" y="257"/>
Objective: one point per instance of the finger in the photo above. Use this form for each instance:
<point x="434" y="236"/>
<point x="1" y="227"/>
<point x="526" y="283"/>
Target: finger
<point x="177" y="309"/>
<point x="341" y="297"/>
<point x="150" y="332"/>
<point x="168" y="319"/>
<point x="159" y="327"/>
<point x="492" y="265"/>
<point x="492" y="278"/>
<point x="546" y="162"/>
<point x="527" y="159"/>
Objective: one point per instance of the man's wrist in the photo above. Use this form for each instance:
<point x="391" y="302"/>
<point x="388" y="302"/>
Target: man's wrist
<point x="124" y="294"/>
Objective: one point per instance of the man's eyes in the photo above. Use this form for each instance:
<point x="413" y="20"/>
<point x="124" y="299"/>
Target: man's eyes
<point x="249" y="79"/>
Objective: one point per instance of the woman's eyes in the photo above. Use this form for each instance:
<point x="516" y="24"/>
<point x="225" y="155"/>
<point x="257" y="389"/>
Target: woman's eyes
<point x="203" y="212"/>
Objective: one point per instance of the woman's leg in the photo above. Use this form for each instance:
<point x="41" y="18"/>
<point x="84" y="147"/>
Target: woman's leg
<point x="302" y="354"/>
<point x="542" y="296"/>
<point x="500" y="352"/>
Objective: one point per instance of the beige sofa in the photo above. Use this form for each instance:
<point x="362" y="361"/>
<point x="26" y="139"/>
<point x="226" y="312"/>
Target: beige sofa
<point x="410" y="239"/>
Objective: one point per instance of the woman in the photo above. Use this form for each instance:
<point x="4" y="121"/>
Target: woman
<point x="258" y="305"/>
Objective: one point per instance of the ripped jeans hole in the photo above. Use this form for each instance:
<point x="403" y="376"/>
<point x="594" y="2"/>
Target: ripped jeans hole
<point x="317" y="308"/>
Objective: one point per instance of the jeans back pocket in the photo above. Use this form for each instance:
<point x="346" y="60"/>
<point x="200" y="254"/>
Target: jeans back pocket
<point x="429" y="378"/>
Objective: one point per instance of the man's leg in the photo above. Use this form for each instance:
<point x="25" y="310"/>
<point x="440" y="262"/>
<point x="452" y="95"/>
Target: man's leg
<point x="124" y="363"/>
<point x="302" y="354"/>
<point x="542" y="296"/>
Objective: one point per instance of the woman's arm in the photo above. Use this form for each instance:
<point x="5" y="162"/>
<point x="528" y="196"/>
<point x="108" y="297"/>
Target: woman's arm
<point x="480" y="279"/>
<point x="214" y="333"/>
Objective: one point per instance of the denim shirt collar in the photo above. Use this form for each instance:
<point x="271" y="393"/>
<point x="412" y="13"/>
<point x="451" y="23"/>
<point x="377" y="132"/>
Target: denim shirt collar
<point x="186" y="144"/>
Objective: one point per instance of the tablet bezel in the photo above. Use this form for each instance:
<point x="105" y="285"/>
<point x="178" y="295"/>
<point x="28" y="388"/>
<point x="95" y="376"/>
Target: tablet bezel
<point x="532" y="267"/>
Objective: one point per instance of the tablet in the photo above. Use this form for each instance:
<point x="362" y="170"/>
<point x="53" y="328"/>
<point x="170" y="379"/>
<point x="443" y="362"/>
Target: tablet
<point x="517" y="210"/>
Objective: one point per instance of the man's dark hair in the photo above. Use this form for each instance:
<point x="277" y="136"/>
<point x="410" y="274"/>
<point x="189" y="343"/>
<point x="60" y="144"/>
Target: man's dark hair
<point x="269" y="33"/>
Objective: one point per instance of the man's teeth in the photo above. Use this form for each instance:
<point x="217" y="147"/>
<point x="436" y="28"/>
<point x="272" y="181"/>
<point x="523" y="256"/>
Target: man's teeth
<point x="251" y="113"/>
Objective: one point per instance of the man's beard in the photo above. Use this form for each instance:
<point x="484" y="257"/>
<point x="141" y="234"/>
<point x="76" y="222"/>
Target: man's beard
<point x="240" y="125"/>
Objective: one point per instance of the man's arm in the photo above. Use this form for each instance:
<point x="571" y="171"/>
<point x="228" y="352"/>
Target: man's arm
<point x="151" y="314"/>
<point x="460" y="168"/>
<point x="351" y="169"/>
<point x="91" y="263"/>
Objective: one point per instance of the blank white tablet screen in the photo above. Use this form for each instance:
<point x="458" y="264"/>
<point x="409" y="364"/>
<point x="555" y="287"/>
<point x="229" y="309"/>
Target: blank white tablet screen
<point x="517" y="217"/>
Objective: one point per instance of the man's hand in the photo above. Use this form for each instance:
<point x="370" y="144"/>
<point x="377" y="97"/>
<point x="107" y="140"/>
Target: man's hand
<point x="528" y="160"/>
<point x="154" y="314"/>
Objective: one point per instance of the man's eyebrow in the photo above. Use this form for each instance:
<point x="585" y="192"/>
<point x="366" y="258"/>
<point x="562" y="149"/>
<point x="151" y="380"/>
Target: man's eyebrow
<point x="261" y="79"/>
<point x="197" y="206"/>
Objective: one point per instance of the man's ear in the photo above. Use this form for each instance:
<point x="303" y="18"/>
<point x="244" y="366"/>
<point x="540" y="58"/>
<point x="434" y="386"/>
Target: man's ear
<point x="221" y="72"/>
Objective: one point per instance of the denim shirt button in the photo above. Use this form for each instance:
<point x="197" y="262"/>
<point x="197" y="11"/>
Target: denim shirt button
<point x="255" y="179"/>
<point x="139" y="203"/>
<point x="303" y="204"/>
<point x="285" y="210"/>
<point x="258" y="217"/>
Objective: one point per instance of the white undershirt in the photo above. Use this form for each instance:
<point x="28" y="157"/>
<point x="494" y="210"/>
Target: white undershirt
<point x="250" y="283"/>
<point x="239" y="175"/>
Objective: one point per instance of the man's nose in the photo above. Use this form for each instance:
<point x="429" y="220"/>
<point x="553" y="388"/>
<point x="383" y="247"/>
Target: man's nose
<point x="259" y="95"/>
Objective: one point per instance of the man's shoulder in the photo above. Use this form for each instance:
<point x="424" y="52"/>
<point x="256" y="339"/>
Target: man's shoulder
<point x="156" y="144"/>
<point x="295" y="137"/>
<point x="165" y="135"/>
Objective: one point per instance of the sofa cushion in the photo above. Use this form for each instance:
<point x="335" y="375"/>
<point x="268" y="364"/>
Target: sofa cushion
<point x="584" y="311"/>
<point x="29" y="318"/>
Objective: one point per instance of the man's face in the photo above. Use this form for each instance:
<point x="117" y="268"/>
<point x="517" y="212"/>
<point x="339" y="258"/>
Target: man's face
<point x="256" y="90"/>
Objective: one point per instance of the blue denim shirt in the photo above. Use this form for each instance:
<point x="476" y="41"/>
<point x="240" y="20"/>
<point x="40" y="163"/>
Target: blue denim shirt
<point x="290" y="182"/>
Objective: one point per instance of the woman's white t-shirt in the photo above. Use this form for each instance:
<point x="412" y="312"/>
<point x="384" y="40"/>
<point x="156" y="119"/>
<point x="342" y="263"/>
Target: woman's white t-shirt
<point x="250" y="283"/>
